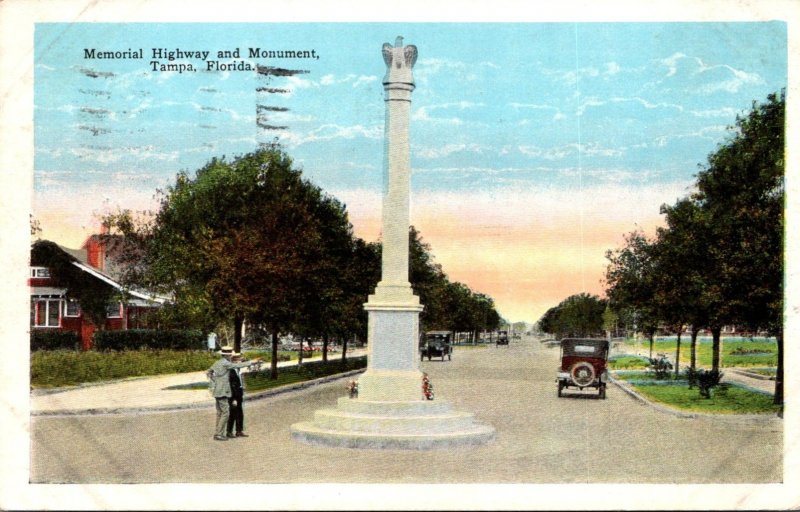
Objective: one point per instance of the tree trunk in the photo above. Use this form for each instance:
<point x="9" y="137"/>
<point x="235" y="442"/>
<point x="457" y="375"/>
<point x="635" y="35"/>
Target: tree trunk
<point x="238" y="320"/>
<point x="693" y="356"/>
<point x="678" y="353"/>
<point x="778" y="399"/>
<point x="300" y="352"/>
<point x="715" y="347"/>
<point x="325" y="340"/>
<point x="344" y="349"/>
<point x="650" y="335"/>
<point x="273" y="365"/>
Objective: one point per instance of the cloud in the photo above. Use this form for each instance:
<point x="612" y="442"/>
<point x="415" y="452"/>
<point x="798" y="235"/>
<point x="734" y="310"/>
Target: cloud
<point x="448" y="149"/>
<point x="331" y="132"/>
<point x="722" y="77"/>
<point x="105" y="155"/>
<point x="568" y="150"/>
<point x="672" y="63"/>
<point x="355" y="80"/>
<point x="593" y="102"/>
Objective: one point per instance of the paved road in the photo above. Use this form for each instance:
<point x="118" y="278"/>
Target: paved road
<point x="540" y="438"/>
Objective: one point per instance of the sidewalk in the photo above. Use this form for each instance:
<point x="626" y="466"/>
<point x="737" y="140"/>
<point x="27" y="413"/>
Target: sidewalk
<point x="140" y="394"/>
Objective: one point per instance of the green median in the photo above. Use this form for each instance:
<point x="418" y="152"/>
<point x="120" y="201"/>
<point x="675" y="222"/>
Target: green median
<point x="726" y="398"/>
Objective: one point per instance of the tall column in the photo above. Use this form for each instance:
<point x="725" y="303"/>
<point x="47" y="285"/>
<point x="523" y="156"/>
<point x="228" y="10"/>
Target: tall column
<point x="393" y="331"/>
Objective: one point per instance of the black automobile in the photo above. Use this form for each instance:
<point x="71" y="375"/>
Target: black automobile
<point x="435" y="344"/>
<point x="502" y="338"/>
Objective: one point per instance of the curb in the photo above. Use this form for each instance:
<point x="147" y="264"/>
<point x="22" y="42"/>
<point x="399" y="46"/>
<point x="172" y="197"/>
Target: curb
<point x="752" y="375"/>
<point x="693" y="415"/>
<point x="194" y="405"/>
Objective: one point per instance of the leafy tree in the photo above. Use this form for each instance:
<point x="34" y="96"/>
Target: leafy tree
<point x="631" y="283"/>
<point x="743" y="193"/>
<point x="578" y="315"/>
<point x="239" y="240"/>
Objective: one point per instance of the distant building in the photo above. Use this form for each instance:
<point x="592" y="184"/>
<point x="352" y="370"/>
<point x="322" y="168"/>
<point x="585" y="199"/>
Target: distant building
<point x="51" y="308"/>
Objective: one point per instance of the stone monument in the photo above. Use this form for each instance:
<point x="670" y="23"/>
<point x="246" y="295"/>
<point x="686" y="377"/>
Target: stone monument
<point x="391" y="410"/>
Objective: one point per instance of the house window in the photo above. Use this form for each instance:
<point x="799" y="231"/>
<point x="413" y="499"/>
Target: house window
<point x="40" y="272"/>
<point x="45" y="312"/>
<point x="72" y="308"/>
<point x="113" y="310"/>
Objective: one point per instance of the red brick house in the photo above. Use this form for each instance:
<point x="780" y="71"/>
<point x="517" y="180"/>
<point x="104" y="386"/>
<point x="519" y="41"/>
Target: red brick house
<point x="52" y="309"/>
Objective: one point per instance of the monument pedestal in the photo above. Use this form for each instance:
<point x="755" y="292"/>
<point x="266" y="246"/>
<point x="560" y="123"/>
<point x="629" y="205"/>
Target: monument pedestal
<point x="391" y="411"/>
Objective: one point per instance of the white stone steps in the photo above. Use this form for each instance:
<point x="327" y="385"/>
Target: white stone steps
<point x="336" y="419"/>
<point x="312" y="434"/>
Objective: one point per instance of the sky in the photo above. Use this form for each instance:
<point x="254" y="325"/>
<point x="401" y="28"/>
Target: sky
<point x="534" y="146"/>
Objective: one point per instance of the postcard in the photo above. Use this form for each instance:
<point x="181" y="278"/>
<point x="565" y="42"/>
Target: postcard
<point x="527" y="147"/>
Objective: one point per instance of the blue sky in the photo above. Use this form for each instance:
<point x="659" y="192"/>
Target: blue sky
<point x="522" y="135"/>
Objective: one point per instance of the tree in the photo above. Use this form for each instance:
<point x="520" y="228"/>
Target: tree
<point x="242" y="239"/>
<point x="578" y="315"/>
<point x="631" y="283"/>
<point x="743" y="193"/>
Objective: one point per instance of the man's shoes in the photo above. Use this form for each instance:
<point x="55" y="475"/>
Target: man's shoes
<point x="241" y="434"/>
<point x="220" y="438"/>
<point x="230" y="435"/>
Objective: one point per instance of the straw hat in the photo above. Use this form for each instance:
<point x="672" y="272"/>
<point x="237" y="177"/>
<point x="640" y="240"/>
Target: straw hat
<point x="227" y="350"/>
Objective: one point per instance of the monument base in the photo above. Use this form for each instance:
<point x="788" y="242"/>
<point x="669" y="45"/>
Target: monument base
<point x="409" y="425"/>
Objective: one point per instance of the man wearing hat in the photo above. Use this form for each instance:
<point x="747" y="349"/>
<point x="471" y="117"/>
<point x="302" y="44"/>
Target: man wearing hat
<point x="220" y="387"/>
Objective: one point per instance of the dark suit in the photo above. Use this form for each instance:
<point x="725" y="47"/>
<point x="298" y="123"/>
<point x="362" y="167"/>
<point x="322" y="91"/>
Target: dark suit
<point x="237" y="395"/>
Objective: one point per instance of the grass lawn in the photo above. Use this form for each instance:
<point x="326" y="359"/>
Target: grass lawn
<point x="627" y="362"/>
<point x="739" y="352"/>
<point x="57" y="368"/>
<point x="259" y="381"/>
<point x="731" y="399"/>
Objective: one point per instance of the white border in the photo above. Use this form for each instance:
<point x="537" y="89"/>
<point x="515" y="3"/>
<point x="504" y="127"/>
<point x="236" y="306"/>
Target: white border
<point x="16" y="163"/>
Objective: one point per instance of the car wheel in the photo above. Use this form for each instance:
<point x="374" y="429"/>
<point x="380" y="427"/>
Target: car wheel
<point x="603" y="391"/>
<point x="560" y="388"/>
<point x="582" y="373"/>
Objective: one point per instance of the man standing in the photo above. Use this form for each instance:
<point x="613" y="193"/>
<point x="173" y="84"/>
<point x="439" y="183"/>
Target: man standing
<point x="221" y="388"/>
<point x="236" y="401"/>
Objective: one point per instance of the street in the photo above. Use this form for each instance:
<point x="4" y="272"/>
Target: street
<point x="540" y="438"/>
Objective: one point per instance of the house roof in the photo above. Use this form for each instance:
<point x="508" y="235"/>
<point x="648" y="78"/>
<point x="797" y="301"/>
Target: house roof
<point x="108" y="279"/>
<point x="79" y="254"/>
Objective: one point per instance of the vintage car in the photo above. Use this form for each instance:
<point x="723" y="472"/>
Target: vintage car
<point x="502" y="338"/>
<point x="583" y="365"/>
<point x="435" y="344"/>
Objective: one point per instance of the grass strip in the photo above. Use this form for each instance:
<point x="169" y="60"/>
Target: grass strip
<point x="726" y="399"/>
<point x="260" y="380"/>
<point x="58" y="368"/>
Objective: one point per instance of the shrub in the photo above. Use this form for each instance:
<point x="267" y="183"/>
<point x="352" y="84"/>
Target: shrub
<point x="661" y="366"/>
<point x="136" y="339"/>
<point x="707" y="380"/>
<point x="54" y="340"/>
